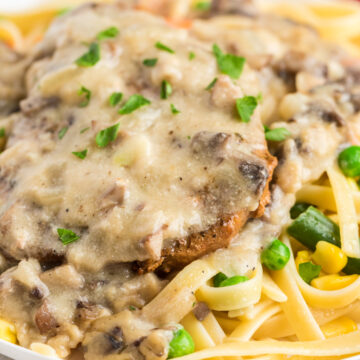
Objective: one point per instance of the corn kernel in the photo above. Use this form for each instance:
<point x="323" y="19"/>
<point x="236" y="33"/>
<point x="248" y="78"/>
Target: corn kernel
<point x="7" y="331"/>
<point x="340" y="326"/>
<point x="43" y="349"/>
<point x="333" y="282"/>
<point x="302" y="256"/>
<point x="330" y="257"/>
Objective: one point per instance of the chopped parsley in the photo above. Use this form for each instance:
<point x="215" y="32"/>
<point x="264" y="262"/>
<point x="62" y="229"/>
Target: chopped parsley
<point x="166" y="89"/>
<point x="84" y="91"/>
<point x="80" y="154"/>
<point x="211" y="85"/>
<point x="115" y="98"/>
<point x="62" y="132"/>
<point x="63" y="11"/>
<point x="110" y="32"/>
<point x="163" y="47"/>
<point x="91" y="57"/>
<point x="132" y="308"/>
<point x="309" y="271"/>
<point x="203" y="5"/>
<point x="245" y="107"/>
<point x="84" y="129"/>
<point x="150" y="62"/>
<point x="278" y="134"/>
<point x="105" y="136"/>
<point x="191" y="55"/>
<point x="229" y="64"/>
<point x="67" y="236"/>
<point x="260" y="97"/>
<point x="135" y="101"/>
<point x="2" y="132"/>
<point x="174" y="110"/>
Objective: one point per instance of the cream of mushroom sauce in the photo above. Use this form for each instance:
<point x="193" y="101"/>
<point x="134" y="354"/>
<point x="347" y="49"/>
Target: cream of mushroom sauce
<point x="160" y="179"/>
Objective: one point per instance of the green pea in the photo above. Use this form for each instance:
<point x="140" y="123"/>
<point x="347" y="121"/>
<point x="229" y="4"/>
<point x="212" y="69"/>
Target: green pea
<point x="181" y="344"/>
<point x="349" y="161"/>
<point x="276" y="255"/>
<point x="219" y="278"/>
<point x="233" y="280"/>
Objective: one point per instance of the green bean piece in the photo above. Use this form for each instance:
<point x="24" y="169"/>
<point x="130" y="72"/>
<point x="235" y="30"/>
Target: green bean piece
<point x="312" y="226"/>
<point x="276" y="255"/>
<point x="349" y="161"/>
<point x="298" y="209"/>
<point x="181" y="344"/>
<point x="309" y="271"/>
<point x="233" y="280"/>
<point x="219" y="278"/>
<point x="352" y="266"/>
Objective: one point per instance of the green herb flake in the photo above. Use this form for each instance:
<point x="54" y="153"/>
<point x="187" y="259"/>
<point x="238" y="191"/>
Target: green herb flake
<point x="229" y="64"/>
<point x="63" y="11"/>
<point x="80" y="154"/>
<point x="132" y="308"/>
<point x="84" y="91"/>
<point x="309" y="271"/>
<point x="62" y="132"/>
<point x="150" y="62"/>
<point x="67" y="236"/>
<point x="115" y="98"/>
<point x="91" y="57"/>
<point x="203" y="5"/>
<point x="245" y="107"/>
<point x="260" y="97"/>
<point x="166" y="89"/>
<point x="84" y="130"/>
<point x="105" y="136"/>
<point x="278" y="134"/>
<point x="135" y="101"/>
<point x="2" y="132"/>
<point x="174" y="110"/>
<point x="211" y="85"/>
<point x="188" y="137"/>
<point x="163" y="47"/>
<point x="110" y="32"/>
<point x="191" y="55"/>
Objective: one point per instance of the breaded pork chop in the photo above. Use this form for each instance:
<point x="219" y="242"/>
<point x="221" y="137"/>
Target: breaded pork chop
<point x="121" y="141"/>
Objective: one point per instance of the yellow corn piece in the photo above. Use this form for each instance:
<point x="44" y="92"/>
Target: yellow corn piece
<point x="7" y="331"/>
<point x="302" y="256"/>
<point x="333" y="282"/>
<point x="340" y="326"/>
<point x="330" y="257"/>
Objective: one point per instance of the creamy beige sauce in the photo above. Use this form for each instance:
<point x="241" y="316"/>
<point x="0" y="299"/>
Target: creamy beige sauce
<point x="165" y="176"/>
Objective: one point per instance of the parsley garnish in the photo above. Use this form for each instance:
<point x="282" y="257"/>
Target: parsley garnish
<point x="110" y="32"/>
<point x="309" y="271"/>
<point x="211" y="85"/>
<point x="80" y="154"/>
<point x="63" y="11"/>
<point x="191" y="55"/>
<point x="115" y="98"/>
<point x="62" y="132"/>
<point x="245" y="107"/>
<point x="132" y="308"/>
<point x="67" y="236"/>
<point x="2" y="132"/>
<point x="150" y="62"/>
<point x="278" y="134"/>
<point x="166" y="89"/>
<point x="163" y="47"/>
<point x="105" y="136"/>
<point x="135" y="101"/>
<point x="203" y="5"/>
<point x="91" y="57"/>
<point x="174" y="110"/>
<point x="84" y="91"/>
<point x="229" y="64"/>
<point x="84" y="129"/>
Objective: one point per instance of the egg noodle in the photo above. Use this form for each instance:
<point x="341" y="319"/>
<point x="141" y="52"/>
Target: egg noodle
<point x="275" y="314"/>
